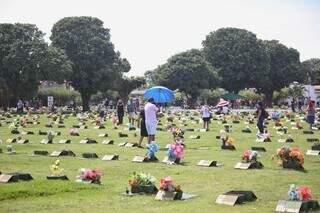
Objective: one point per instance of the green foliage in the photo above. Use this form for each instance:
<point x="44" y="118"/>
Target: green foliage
<point x="237" y="55"/>
<point x="211" y="96"/>
<point x="87" y="44"/>
<point x="126" y="85"/>
<point x="61" y="95"/>
<point x="312" y="69"/>
<point x="281" y="94"/>
<point x="296" y="90"/>
<point x="284" y="68"/>
<point x="251" y="94"/>
<point x="189" y="72"/>
<point x="25" y="59"/>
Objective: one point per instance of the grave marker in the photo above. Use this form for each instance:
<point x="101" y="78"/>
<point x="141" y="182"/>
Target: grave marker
<point x="110" y="157"/>
<point x="207" y="163"/>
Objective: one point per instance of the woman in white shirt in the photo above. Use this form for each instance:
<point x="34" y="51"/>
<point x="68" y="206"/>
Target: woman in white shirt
<point x="205" y="112"/>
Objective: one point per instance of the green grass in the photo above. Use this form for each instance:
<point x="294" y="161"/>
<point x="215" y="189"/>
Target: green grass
<point x="40" y="195"/>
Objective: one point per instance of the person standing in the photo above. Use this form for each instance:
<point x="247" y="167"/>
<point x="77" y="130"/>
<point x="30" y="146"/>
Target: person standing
<point x="311" y="113"/>
<point x="120" y="111"/>
<point x="150" y="111"/>
<point x="262" y="114"/>
<point x="143" y="128"/>
<point x="205" y="113"/>
<point x="131" y="111"/>
<point x="20" y="106"/>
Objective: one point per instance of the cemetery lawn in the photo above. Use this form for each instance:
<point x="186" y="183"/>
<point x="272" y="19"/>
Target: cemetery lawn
<point x="270" y="184"/>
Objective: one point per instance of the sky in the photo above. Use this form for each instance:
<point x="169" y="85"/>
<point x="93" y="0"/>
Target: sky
<point x="148" y="32"/>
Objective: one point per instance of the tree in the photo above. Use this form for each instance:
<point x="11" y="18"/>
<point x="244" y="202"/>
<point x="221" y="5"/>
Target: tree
<point x="25" y="59"/>
<point x="189" y="72"/>
<point x="283" y="69"/>
<point x="87" y="44"/>
<point x="251" y="94"/>
<point x="126" y="85"/>
<point x="311" y="68"/>
<point x="237" y="55"/>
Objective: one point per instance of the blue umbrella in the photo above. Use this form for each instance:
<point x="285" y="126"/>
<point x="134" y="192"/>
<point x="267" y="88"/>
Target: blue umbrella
<point x="159" y="94"/>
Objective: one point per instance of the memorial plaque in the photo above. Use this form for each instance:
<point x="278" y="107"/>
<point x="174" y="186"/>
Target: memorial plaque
<point x="190" y="130"/>
<point x="40" y="152"/>
<point x="62" y="153"/>
<point x="108" y="142"/>
<point x="23" y="141"/>
<point x="45" y="141"/>
<point x="288" y="206"/>
<point x="64" y="141"/>
<point x="131" y="145"/>
<point x="202" y="130"/>
<point x="89" y="155"/>
<point x="11" y="140"/>
<point x="194" y="137"/>
<point x="308" y="132"/>
<point x="6" y="178"/>
<point x="258" y="148"/>
<point x="61" y="126"/>
<point x="165" y="195"/>
<point x="139" y="159"/>
<point x="207" y="163"/>
<point x="110" y="157"/>
<point x="122" y="144"/>
<point x="55" y="154"/>
<point x="242" y="165"/>
<point x="313" y="152"/>
<point x="313" y="140"/>
<point x="42" y="133"/>
<point x="230" y="200"/>
<point x="122" y="135"/>
<point x="103" y="135"/>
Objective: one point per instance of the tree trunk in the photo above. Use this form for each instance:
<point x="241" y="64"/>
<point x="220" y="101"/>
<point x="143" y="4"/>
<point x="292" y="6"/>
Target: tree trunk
<point x="191" y="101"/>
<point x="269" y="99"/>
<point x="85" y="102"/>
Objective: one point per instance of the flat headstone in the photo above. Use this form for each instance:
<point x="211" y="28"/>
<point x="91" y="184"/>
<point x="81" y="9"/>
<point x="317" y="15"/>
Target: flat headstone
<point x="63" y="177"/>
<point x="62" y="153"/>
<point x="40" y="152"/>
<point x="6" y="178"/>
<point x="87" y="141"/>
<point x="194" y="137"/>
<point x="103" y="135"/>
<point x="99" y="127"/>
<point x="159" y="129"/>
<point x="122" y="135"/>
<point x="42" y="133"/>
<point x="313" y="152"/>
<point x="139" y="159"/>
<point x="288" y="206"/>
<point x="190" y="130"/>
<point x="46" y="141"/>
<point x="202" y="130"/>
<point x="122" y="144"/>
<point x="315" y="147"/>
<point x="258" y="148"/>
<point x="207" y="163"/>
<point x="109" y="142"/>
<point x="110" y="157"/>
<point x="312" y="140"/>
<point x="61" y="126"/>
<point x="166" y="195"/>
<point x="11" y="140"/>
<point x="241" y="165"/>
<point x="23" y="141"/>
<point x="229" y="200"/>
<point x="64" y="141"/>
<point x="131" y="145"/>
<point x="89" y="155"/>
<point x="230" y="147"/>
<point x="27" y="133"/>
<point x="21" y="176"/>
<point x="308" y="132"/>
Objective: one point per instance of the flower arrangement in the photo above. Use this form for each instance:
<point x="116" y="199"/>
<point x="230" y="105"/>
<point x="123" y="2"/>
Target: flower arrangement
<point x="299" y="193"/>
<point x="23" y="121"/>
<point x="175" y="152"/>
<point x="250" y="156"/>
<point x="177" y="133"/>
<point x="55" y="169"/>
<point x="14" y="128"/>
<point x="142" y="182"/>
<point x="73" y="132"/>
<point x="152" y="147"/>
<point x="298" y="125"/>
<point x="89" y="175"/>
<point x="291" y="157"/>
<point x="166" y="184"/>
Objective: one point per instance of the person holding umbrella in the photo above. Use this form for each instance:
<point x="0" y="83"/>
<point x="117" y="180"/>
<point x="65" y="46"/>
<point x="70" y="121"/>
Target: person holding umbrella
<point x="150" y="111"/>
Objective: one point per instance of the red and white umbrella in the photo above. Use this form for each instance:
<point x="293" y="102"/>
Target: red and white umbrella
<point x="222" y="103"/>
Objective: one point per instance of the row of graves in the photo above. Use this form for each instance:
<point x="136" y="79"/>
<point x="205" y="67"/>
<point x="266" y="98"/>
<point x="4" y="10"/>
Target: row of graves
<point x="299" y="199"/>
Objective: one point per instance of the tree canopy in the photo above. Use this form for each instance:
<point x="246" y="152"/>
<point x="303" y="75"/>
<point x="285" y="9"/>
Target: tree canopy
<point x="95" y="63"/>
<point x="237" y="55"/>
<point x="311" y="68"/>
<point x="25" y="59"/>
<point x="187" y="71"/>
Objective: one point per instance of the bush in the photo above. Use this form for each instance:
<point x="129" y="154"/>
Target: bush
<point x="61" y="95"/>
